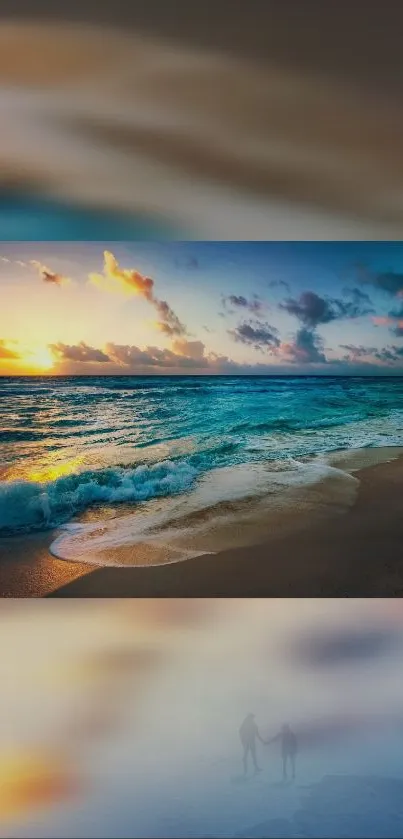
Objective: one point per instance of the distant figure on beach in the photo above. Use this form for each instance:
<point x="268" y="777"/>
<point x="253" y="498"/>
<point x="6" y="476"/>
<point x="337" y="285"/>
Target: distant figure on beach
<point x="289" y="748"/>
<point x="248" y="733"/>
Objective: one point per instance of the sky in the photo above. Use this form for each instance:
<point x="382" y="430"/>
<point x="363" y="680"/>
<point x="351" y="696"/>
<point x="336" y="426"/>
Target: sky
<point x="201" y="308"/>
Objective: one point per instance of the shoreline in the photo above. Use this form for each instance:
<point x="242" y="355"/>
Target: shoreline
<point x="353" y="554"/>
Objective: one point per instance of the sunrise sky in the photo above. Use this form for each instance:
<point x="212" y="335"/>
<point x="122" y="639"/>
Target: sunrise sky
<point x="201" y="307"/>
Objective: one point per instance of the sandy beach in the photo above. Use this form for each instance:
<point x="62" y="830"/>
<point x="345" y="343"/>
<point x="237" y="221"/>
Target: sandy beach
<point x="352" y="554"/>
<point x="244" y="446"/>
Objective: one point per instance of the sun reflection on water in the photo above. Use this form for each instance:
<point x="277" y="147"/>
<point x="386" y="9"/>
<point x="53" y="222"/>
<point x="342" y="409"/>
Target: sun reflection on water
<point x="46" y="472"/>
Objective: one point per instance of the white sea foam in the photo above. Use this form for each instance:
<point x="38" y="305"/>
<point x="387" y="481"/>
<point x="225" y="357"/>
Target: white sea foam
<point x="226" y="507"/>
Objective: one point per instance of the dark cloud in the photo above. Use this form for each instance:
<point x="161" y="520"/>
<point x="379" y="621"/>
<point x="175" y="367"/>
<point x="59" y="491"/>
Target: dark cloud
<point x="395" y="319"/>
<point x="305" y="348"/>
<point x="169" y="323"/>
<point x="187" y="262"/>
<point x="78" y="352"/>
<point x="279" y="284"/>
<point x="257" y="334"/>
<point x="397" y="352"/>
<point x="312" y="310"/>
<point x="355" y="352"/>
<point x="390" y="355"/>
<point x="358" y="304"/>
<point x="397" y="314"/>
<point x="390" y="282"/>
<point x="238" y="301"/>
<point x="6" y="352"/>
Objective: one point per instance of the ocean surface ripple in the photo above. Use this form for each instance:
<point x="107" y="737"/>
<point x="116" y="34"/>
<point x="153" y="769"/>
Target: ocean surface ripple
<point x="70" y="444"/>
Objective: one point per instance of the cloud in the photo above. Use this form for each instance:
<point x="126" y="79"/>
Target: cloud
<point x="135" y="358"/>
<point x="396" y="314"/>
<point x="390" y="282"/>
<point x="381" y="320"/>
<point x="312" y="310"/>
<point x="78" y="352"/>
<point x="130" y="282"/>
<point x="357" y="306"/>
<point x="187" y="262"/>
<point x="126" y="281"/>
<point x="6" y="352"/>
<point x="279" y="284"/>
<point x="48" y="276"/>
<point x="184" y="355"/>
<point x="389" y="355"/>
<point x="190" y="355"/>
<point x="357" y="351"/>
<point x="191" y="349"/>
<point x="305" y="348"/>
<point x="257" y="334"/>
<point x="169" y="323"/>
<point x="394" y="319"/>
<point x="253" y="305"/>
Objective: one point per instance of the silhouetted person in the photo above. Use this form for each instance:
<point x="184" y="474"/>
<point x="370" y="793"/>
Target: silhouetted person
<point x="289" y="748"/>
<point x="248" y="733"/>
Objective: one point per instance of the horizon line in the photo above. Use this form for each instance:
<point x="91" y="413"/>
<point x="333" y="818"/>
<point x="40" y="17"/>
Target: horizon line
<point x="200" y="375"/>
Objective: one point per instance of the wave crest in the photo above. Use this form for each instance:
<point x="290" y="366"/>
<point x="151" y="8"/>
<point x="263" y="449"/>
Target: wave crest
<point x="27" y="506"/>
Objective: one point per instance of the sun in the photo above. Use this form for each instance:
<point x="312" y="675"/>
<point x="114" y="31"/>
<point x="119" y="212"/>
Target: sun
<point x="40" y="359"/>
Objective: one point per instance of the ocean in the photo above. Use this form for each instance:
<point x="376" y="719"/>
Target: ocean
<point x="78" y="451"/>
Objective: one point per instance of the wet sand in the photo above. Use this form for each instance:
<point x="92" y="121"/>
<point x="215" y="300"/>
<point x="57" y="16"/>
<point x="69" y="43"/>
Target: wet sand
<point x="354" y="554"/>
<point x="27" y="569"/>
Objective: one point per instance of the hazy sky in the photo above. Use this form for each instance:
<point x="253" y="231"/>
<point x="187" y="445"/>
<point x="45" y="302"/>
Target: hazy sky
<point x="201" y="307"/>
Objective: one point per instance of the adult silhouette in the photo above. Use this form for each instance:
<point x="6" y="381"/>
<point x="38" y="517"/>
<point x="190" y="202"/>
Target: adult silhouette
<point x="248" y="733"/>
<point x="289" y="748"/>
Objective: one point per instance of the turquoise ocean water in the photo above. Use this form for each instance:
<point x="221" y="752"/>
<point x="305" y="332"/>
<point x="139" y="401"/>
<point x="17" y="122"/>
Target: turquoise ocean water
<point x="69" y="445"/>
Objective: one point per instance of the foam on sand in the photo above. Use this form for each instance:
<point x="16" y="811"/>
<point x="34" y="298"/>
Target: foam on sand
<point x="228" y="507"/>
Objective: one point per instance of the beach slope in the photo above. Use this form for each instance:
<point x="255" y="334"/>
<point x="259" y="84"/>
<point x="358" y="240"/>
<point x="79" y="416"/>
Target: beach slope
<point x="358" y="554"/>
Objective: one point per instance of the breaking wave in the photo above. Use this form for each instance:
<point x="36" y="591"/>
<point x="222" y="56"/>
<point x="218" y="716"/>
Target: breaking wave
<point x="27" y="506"/>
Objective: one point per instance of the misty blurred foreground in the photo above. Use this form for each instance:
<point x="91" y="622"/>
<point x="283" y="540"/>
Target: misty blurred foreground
<point x="121" y="718"/>
<point x="216" y="120"/>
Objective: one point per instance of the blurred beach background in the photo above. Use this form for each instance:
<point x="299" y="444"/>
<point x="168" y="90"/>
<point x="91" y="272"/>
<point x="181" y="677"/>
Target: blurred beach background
<point x="216" y="120"/>
<point x="121" y="718"/>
